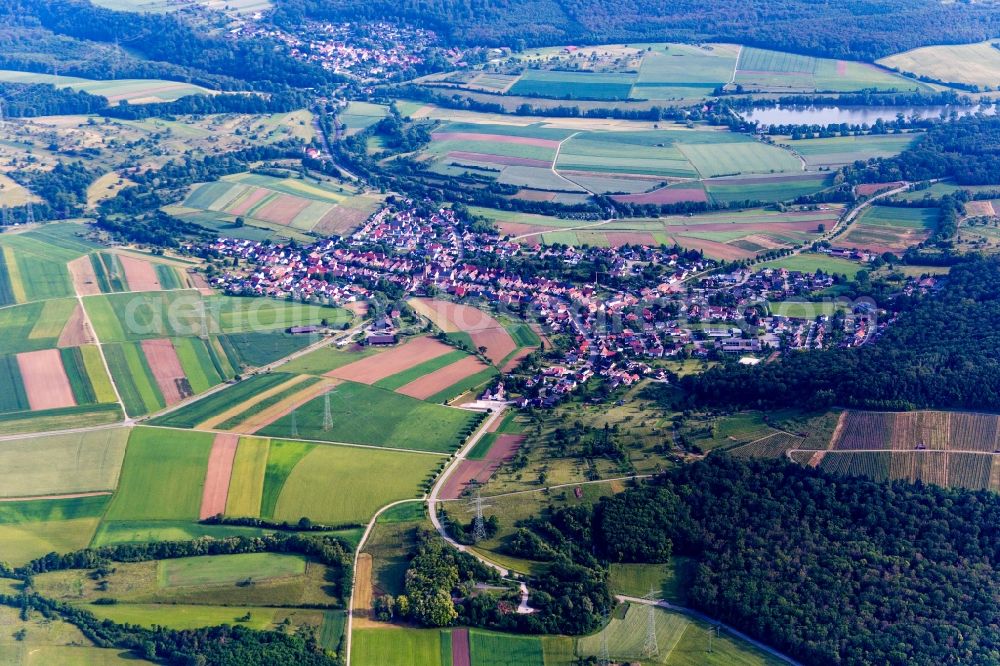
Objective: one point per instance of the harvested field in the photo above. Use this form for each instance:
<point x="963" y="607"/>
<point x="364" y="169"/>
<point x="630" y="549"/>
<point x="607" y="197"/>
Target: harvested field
<point x="140" y="275"/>
<point x="372" y="369"/>
<point x="84" y="278"/>
<point x="77" y="331"/>
<point x="274" y="385"/>
<point x="505" y="160"/>
<point x="620" y="238"/>
<point x="665" y="195"/>
<point x="437" y="381"/>
<point x="60" y="465"/>
<point x="217" y="475"/>
<point x="45" y="381"/>
<point x="460" y="654"/>
<point x="467" y="472"/>
<point x="484" y="330"/>
<point x="282" y="210"/>
<point x="868" y="189"/>
<point x="516" y="359"/>
<point x="363" y="585"/>
<point x="167" y="370"/>
<point x="495" y="138"/>
<point x="980" y="209"/>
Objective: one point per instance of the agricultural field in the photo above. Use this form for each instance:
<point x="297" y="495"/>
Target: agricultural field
<point x="954" y="449"/>
<point x="667" y="581"/>
<point x="969" y="64"/>
<point x="287" y="207"/>
<point x="163" y="476"/>
<point x="810" y="262"/>
<point x="396" y="646"/>
<point x="838" y="151"/>
<point x="33" y="528"/>
<point x="359" y="116"/>
<point x="729" y="235"/>
<point x="685" y="72"/>
<point x="362" y="414"/>
<point x="774" y="71"/>
<point x="66" y="464"/>
<point x="133" y="91"/>
<point x="338" y="484"/>
<point x="889" y="229"/>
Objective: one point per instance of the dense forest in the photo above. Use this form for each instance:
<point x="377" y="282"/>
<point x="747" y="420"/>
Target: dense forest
<point x="943" y="350"/>
<point x="860" y="29"/>
<point x="166" y="38"/>
<point x="830" y="570"/>
<point x="967" y="150"/>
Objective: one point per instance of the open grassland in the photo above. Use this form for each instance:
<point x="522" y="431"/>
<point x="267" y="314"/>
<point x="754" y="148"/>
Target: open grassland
<point x="340" y="484"/>
<point x="363" y="414"/>
<point x="146" y="531"/>
<point x="163" y="476"/>
<point x="227" y="569"/>
<point x="327" y="359"/>
<point x="489" y="648"/>
<point x="680" y="640"/>
<point x="359" y="116"/>
<point x="180" y="616"/>
<point x="667" y="581"/>
<point x="30" y="529"/>
<point x="398" y="647"/>
<point x="62" y="464"/>
<point x="970" y="64"/>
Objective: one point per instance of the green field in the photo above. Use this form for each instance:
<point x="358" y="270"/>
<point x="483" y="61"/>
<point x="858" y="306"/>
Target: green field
<point x="193" y="414"/>
<point x="369" y="415"/>
<point x="394" y="382"/>
<point x="841" y="150"/>
<point x="892" y="216"/>
<point x="666" y="581"/>
<point x="145" y="531"/>
<point x="178" y="616"/>
<point x="201" y="363"/>
<point x="573" y="85"/>
<point x="33" y="326"/>
<point x="227" y="569"/>
<point x="680" y="639"/>
<point x="246" y="485"/>
<point x="761" y="69"/>
<point x="810" y="262"/>
<point x="398" y="647"/>
<point x="282" y="457"/>
<point x="34" y="528"/>
<point x="62" y="464"/>
<point x="492" y="649"/>
<point x="134" y="91"/>
<point x="341" y="484"/>
<point x="163" y="475"/>
<point x="134" y="378"/>
<point x="140" y="316"/>
<point x="325" y="359"/>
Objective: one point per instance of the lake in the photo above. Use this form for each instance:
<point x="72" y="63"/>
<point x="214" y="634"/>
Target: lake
<point x="853" y="115"/>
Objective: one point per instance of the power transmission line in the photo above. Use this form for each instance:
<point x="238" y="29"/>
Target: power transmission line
<point x="651" y="649"/>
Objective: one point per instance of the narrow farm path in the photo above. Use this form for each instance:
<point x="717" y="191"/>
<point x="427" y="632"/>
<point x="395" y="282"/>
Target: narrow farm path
<point x="736" y="65"/>
<point x="555" y="161"/>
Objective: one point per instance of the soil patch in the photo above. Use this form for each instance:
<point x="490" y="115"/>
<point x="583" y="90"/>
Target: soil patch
<point x="45" y="380"/>
<point x="220" y="469"/>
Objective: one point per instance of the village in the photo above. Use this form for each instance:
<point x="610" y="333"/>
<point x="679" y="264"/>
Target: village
<point x="669" y="310"/>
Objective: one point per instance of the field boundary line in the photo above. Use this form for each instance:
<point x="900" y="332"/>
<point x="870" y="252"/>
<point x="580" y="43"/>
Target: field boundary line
<point x="57" y="496"/>
<point x="87" y="323"/>
<point x="736" y="65"/>
<point x="555" y="162"/>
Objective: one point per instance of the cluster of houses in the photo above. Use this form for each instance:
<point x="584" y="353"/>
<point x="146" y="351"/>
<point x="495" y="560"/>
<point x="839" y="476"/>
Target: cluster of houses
<point x="363" y="50"/>
<point x="616" y="334"/>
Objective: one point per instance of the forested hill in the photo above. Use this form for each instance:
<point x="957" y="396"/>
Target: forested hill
<point x="830" y="570"/>
<point x="164" y="38"/>
<point x="858" y="29"/>
<point x="942" y="351"/>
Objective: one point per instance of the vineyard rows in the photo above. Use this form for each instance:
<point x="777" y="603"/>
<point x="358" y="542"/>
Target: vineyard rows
<point x="929" y="430"/>
<point x="975" y="471"/>
<point x="768" y="447"/>
<point x="870" y="465"/>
